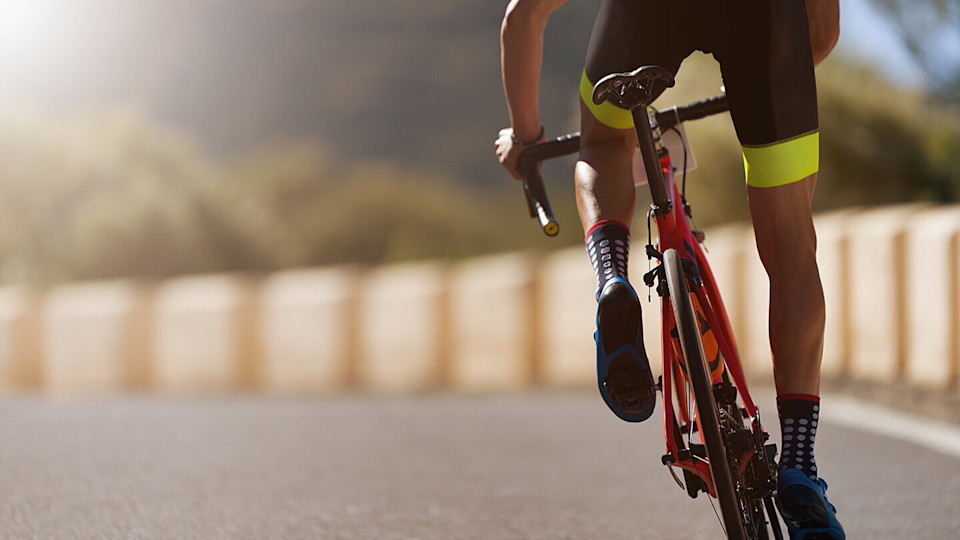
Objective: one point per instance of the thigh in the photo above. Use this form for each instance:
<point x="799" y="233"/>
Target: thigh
<point x="628" y="34"/>
<point x="763" y="47"/>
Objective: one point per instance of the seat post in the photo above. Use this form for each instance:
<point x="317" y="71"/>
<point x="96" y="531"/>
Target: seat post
<point x="636" y="91"/>
<point x="651" y="161"/>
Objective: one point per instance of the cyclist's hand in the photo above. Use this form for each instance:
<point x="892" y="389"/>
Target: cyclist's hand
<point x="509" y="150"/>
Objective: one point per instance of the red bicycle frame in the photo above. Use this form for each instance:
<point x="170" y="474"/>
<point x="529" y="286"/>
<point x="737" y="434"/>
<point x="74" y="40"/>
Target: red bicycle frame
<point x="674" y="231"/>
<point x="750" y="463"/>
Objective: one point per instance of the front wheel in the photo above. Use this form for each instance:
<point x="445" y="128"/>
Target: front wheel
<point x="707" y="409"/>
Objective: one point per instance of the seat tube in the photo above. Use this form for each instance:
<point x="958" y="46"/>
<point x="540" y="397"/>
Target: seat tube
<point x="651" y="161"/>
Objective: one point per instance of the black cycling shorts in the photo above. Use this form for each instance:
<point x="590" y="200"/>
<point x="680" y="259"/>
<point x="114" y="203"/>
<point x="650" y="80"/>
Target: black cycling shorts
<point x="763" y="47"/>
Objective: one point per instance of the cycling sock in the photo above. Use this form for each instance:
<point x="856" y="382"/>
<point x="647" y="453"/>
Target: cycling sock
<point x="608" y="245"/>
<point x="799" y="416"/>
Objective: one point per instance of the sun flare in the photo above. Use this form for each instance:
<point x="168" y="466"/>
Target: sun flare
<point x="31" y="29"/>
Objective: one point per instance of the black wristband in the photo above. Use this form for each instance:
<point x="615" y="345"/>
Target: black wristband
<point x="537" y="138"/>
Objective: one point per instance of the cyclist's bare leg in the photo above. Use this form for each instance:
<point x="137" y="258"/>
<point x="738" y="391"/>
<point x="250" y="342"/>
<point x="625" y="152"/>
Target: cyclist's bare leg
<point x="605" y="192"/>
<point x="604" y="173"/>
<point x="823" y="19"/>
<point x="787" y="243"/>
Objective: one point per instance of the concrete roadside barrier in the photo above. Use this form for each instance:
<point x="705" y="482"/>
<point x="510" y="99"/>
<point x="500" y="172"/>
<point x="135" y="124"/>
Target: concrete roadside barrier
<point x="891" y="279"/>
<point x="932" y="285"/>
<point x="728" y="247"/>
<point x="494" y="323"/>
<point x="403" y="328"/>
<point x="96" y="337"/>
<point x="755" y="315"/>
<point x="568" y="308"/>
<point x="833" y="259"/>
<point x="649" y="307"/>
<point x="20" y="347"/>
<point x="877" y="285"/>
<point x="652" y="321"/>
<point x="307" y="328"/>
<point x="205" y="335"/>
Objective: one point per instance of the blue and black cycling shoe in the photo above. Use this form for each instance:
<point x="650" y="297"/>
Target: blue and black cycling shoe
<point x="623" y="372"/>
<point x="805" y="508"/>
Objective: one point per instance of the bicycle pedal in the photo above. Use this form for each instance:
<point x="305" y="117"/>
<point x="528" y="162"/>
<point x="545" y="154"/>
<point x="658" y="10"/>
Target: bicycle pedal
<point x="630" y="393"/>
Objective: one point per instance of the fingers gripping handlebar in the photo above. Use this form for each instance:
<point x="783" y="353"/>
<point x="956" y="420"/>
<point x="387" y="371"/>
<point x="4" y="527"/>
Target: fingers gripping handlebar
<point x="530" y="160"/>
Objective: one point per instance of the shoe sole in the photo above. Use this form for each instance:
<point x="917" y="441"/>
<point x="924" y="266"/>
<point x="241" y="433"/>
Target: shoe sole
<point x="618" y="321"/>
<point x="618" y="316"/>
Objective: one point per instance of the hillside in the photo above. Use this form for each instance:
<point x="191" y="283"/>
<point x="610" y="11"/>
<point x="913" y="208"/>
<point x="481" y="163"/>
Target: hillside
<point x="156" y="138"/>
<point x="414" y="81"/>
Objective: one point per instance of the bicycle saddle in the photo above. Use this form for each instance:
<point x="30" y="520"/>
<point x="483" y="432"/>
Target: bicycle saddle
<point x="639" y="88"/>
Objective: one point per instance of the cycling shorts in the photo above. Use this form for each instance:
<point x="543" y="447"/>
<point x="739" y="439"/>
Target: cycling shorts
<point x="763" y="47"/>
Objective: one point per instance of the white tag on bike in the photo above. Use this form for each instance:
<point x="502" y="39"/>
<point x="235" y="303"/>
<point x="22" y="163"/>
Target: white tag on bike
<point x="678" y="144"/>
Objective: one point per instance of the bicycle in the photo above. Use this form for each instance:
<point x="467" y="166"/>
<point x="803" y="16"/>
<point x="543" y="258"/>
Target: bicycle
<point x="717" y="442"/>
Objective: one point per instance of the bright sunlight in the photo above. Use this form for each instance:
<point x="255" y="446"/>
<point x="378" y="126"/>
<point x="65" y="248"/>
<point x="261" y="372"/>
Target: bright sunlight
<point x="30" y="30"/>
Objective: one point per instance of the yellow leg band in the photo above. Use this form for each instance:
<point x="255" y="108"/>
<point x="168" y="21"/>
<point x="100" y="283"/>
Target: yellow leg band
<point x="607" y="113"/>
<point x="782" y="162"/>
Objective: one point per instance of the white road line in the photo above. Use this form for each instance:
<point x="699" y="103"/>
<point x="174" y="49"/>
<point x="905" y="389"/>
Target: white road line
<point x="932" y="434"/>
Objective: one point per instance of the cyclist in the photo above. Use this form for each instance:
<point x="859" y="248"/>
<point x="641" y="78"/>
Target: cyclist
<point x="767" y="50"/>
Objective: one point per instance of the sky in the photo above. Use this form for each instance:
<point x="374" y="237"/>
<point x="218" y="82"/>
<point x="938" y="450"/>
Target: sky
<point x="30" y="24"/>
<point x="868" y="34"/>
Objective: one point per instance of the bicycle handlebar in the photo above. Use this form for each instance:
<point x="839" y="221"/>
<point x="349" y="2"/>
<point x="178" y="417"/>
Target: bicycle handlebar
<point x="529" y="165"/>
<point x="531" y="158"/>
<point x="668" y="118"/>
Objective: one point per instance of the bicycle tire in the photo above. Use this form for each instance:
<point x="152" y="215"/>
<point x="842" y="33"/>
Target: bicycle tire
<point x="706" y="405"/>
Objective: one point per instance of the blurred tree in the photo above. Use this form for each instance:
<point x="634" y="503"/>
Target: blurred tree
<point x="108" y="195"/>
<point x="882" y="144"/>
<point x="931" y="28"/>
<point x="300" y="208"/>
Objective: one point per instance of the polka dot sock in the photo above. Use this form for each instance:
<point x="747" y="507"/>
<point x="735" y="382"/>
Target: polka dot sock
<point x="608" y="245"/>
<point x="799" y="416"/>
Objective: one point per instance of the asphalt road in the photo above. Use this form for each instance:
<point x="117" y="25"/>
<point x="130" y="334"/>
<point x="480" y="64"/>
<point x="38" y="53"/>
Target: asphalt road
<point x="536" y="465"/>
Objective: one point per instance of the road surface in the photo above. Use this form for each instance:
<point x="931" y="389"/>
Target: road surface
<point x="538" y="465"/>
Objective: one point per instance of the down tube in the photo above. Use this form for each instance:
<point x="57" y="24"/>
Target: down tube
<point x="725" y="339"/>
<point x="717" y="318"/>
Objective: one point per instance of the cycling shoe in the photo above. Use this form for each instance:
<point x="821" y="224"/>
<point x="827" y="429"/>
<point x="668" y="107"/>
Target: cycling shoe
<point x="805" y="508"/>
<point x="623" y="371"/>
